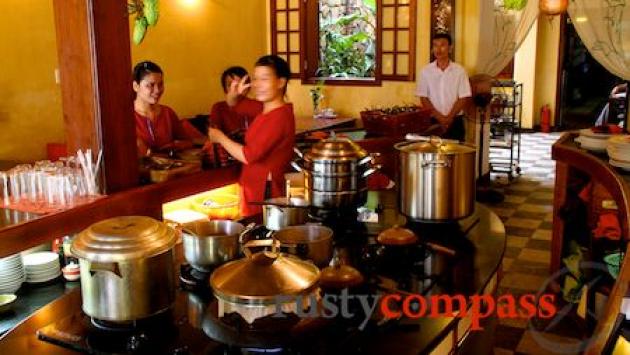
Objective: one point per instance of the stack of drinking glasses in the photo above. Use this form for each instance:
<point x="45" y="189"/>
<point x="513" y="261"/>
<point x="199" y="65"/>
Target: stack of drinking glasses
<point x="50" y="185"/>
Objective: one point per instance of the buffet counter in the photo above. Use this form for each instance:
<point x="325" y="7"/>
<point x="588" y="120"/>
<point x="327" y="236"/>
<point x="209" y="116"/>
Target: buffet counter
<point x="478" y="243"/>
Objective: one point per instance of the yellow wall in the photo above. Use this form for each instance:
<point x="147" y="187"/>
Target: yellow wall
<point x="525" y="72"/>
<point x="546" y="66"/>
<point x="195" y="40"/>
<point x="30" y="100"/>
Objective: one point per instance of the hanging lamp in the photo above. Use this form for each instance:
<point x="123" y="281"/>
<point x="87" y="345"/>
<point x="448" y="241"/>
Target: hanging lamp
<point x="553" y="7"/>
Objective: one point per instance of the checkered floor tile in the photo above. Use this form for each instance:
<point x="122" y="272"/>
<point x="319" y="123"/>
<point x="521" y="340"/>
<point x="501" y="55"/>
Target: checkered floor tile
<point x="527" y="215"/>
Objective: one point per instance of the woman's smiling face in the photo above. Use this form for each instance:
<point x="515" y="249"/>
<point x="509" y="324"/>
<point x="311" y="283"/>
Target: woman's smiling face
<point x="150" y="88"/>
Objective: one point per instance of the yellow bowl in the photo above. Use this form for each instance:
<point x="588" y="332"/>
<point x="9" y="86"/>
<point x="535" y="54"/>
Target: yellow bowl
<point x="217" y="206"/>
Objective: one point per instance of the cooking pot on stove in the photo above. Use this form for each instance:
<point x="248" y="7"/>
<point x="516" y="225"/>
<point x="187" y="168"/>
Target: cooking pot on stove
<point x="281" y="212"/>
<point x="310" y="241"/>
<point x="437" y="180"/>
<point x="127" y="268"/>
<point x="251" y="286"/>
<point x="211" y="243"/>
<point x="335" y="172"/>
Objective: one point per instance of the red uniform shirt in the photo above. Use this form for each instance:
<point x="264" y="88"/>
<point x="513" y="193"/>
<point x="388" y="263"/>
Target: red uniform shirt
<point x="166" y="128"/>
<point x="232" y="119"/>
<point x="268" y="148"/>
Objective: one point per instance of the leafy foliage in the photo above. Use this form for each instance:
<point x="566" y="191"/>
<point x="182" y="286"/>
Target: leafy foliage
<point x="347" y="48"/>
<point x="514" y="4"/>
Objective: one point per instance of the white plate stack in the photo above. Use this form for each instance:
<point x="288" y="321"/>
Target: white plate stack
<point x="619" y="151"/>
<point x="596" y="142"/>
<point x="11" y="273"/>
<point x="41" y="267"/>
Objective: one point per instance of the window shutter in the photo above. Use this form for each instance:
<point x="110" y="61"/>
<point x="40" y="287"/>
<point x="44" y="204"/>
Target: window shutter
<point x="398" y="39"/>
<point x="285" y="32"/>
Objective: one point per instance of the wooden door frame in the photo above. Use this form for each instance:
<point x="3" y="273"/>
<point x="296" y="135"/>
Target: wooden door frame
<point x="95" y="69"/>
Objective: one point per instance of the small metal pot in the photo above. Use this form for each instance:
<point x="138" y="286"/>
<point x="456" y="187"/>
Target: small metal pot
<point x="310" y="241"/>
<point x="213" y="242"/>
<point x="279" y="213"/>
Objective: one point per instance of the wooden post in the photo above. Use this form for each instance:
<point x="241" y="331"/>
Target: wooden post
<point x="95" y="71"/>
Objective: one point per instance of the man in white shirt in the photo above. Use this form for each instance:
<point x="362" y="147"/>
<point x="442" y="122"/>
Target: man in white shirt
<point x="444" y="88"/>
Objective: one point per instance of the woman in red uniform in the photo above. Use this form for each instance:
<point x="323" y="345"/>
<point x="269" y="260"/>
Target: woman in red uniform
<point x="269" y="141"/>
<point x="234" y="115"/>
<point x="157" y="126"/>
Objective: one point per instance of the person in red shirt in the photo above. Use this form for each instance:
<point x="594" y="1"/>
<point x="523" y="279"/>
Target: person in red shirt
<point x="234" y="115"/>
<point x="157" y="126"/>
<point x="269" y="141"/>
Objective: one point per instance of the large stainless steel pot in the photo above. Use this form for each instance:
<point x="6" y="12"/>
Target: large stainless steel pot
<point x="251" y="286"/>
<point x="310" y="241"/>
<point x="127" y="268"/>
<point x="335" y="172"/>
<point x="211" y="243"/>
<point x="279" y="213"/>
<point x="437" y="180"/>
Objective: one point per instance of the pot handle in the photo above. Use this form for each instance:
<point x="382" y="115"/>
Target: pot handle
<point x="298" y="152"/>
<point x="296" y="166"/>
<point x="265" y="257"/>
<point x="436" y="164"/>
<point x="106" y="267"/>
<point x="241" y="236"/>
<point x="371" y="171"/>
<point x="369" y="158"/>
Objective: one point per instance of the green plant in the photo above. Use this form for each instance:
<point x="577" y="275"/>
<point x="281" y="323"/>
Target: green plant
<point x="147" y="14"/>
<point x="347" y="55"/>
<point x="317" y="94"/>
<point x="514" y="4"/>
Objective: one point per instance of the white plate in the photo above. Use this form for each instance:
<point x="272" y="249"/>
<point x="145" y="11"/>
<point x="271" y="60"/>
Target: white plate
<point x="587" y="132"/>
<point x="43" y="279"/>
<point x="10" y="289"/>
<point x="40" y="258"/>
<point x="618" y="164"/>
<point x="43" y="273"/>
<point x="593" y="148"/>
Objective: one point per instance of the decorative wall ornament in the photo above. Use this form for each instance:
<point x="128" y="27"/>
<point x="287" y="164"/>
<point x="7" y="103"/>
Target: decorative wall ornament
<point x="443" y="19"/>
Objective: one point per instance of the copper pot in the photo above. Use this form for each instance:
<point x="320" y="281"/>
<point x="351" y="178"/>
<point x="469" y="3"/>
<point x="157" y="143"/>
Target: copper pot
<point x="252" y="286"/>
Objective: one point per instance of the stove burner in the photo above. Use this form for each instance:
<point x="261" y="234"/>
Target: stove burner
<point x="192" y="279"/>
<point x="113" y="326"/>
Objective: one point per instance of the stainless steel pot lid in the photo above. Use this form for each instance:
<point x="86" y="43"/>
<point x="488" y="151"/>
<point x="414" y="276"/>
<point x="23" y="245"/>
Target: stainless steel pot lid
<point x="335" y="148"/>
<point x="443" y="148"/>
<point x="258" y="278"/>
<point x="123" y="238"/>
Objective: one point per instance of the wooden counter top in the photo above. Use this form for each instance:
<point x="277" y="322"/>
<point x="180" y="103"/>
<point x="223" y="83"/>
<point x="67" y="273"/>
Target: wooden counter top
<point x="304" y="124"/>
<point x="569" y="156"/>
<point x="144" y="200"/>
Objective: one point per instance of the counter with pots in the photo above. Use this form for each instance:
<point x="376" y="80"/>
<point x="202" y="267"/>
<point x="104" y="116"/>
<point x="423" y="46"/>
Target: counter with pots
<point x="479" y="245"/>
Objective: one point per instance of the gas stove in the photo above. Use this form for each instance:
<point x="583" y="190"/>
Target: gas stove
<point x="192" y="326"/>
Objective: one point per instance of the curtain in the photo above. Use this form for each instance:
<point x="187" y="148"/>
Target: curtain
<point x="502" y="32"/>
<point x="604" y="27"/>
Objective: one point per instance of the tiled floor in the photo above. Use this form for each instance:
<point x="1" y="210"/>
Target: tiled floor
<point x="527" y="215"/>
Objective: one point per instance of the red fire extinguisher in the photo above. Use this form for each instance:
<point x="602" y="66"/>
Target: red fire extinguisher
<point x="545" y="119"/>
